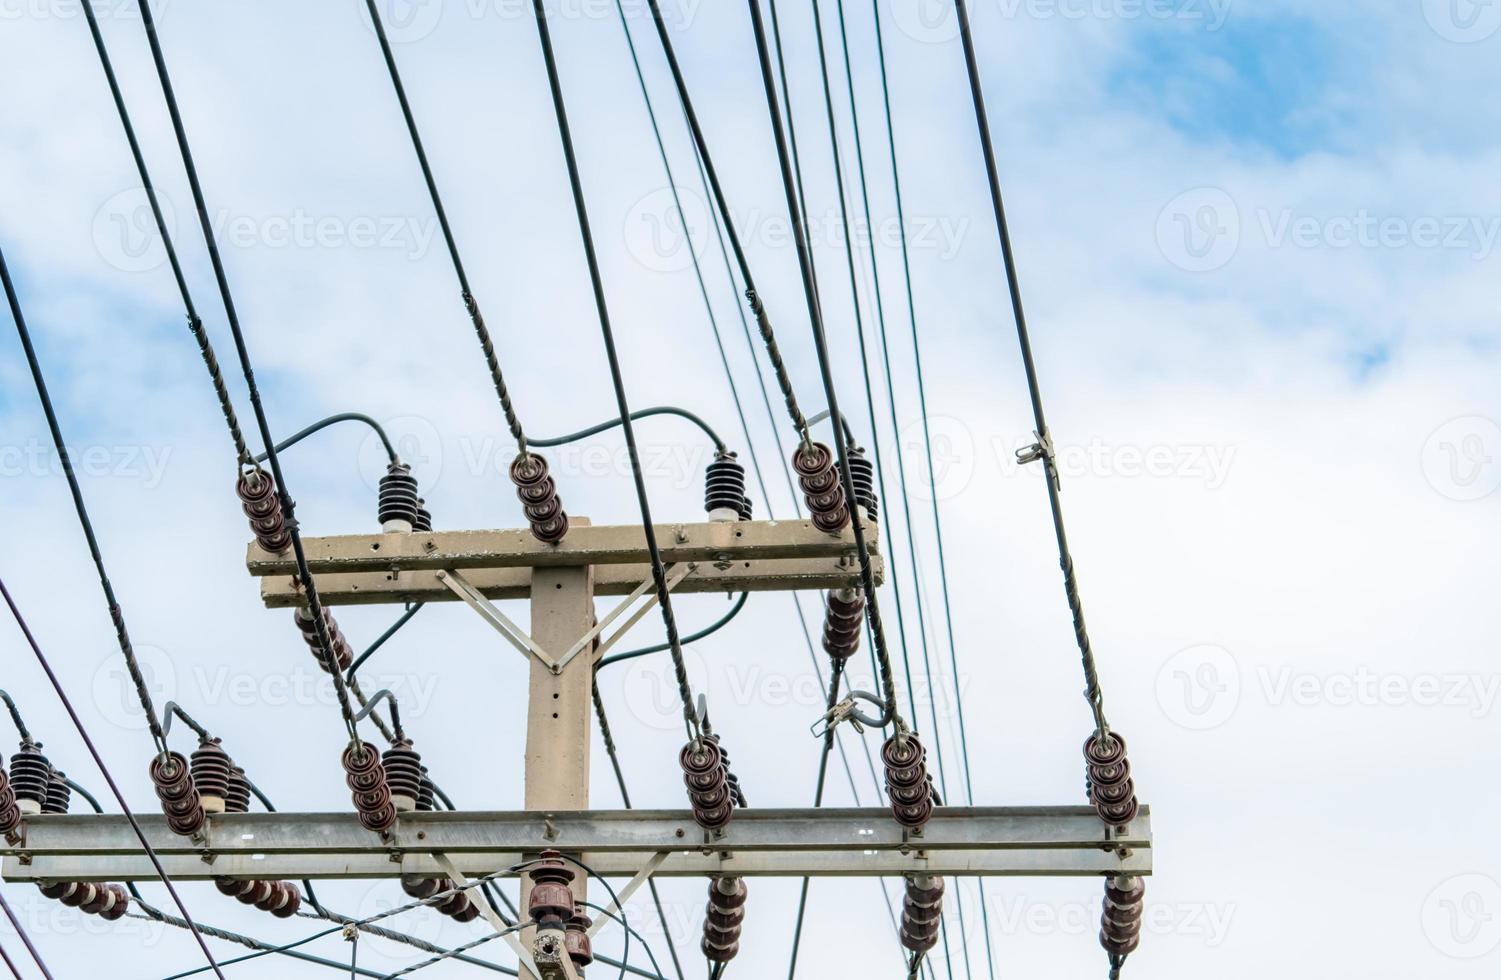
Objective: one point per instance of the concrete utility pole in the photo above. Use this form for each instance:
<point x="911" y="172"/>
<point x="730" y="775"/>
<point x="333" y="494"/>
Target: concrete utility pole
<point x="568" y="637"/>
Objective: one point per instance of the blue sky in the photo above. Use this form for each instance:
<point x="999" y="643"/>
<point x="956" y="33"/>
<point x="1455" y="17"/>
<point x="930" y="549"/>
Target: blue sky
<point x="1258" y="245"/>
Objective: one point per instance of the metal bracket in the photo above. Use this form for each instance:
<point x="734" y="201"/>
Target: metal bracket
<point x="1042" y="449"/>
<point x="675" y="575"/>
<point x="625" y="893"/>
<point x="482" y="902"/>
<point x="490" y="613"/>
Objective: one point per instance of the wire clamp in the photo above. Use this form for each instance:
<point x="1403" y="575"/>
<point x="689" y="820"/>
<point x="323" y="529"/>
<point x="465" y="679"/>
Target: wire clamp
<point x="1042" y="450"/>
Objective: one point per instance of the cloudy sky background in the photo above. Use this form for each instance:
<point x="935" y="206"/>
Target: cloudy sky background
<point x="1258" y="246"/>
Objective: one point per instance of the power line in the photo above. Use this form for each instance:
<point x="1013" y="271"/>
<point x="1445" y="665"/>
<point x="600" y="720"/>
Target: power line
<point x="21" y="931"/>
<point x="117" y="615"/>
<point x="658" y="570"/>
<point x="288" y="506"/>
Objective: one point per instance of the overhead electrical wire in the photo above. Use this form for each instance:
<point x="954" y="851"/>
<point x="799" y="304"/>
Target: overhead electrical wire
<point x="487" y="345"/>
<point x="752" y="295"/>
<point x="9" y="963"/>
<point x="820" y="343"/>
<point x="15" y="923"/>
<point x="117" y="615"/>
<point x="288" y="505"/>
<point x="658" y="568"/>
<point x="922" y="396"/>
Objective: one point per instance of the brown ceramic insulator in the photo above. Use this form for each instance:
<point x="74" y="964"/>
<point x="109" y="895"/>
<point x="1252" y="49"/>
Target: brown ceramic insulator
<point x="539" y="498"/>
<point x="1111" y="789"/>
<point x="863" y="475"/>
<point x="424" y="520"/>
<point x="922" y="914"/>
<point x="907" y="781"/>
<point x="551" y="897"/>
<point x="709" y="789"/>
<point x="117" y="908"/>
<point x="59" y="794"/>
<point x="818" y="476"/>
<point x="30" y="772"/>
<point x="57" y="890"/>
<point x="1120" y="924"/>
<point x="81" y="894"/>
<point x="237" y="795"/>
<point x="258" y="496"/>
<point x="576" y="939"/>
<point x="10" y="813"/>
<point x="342" y="652"/>
<point x="211" y="768"/>
<point x="172" y="777"/>
<point x="293" y="902"/>
<point x="723" y="919"/>
<point x="464" y="911"/>
<point x="724" y="485"/>
<point x="403" y="775"/>
<point x="421" y="888"/>
<point x="842" y="623"/>
<point x="365" y="775"/>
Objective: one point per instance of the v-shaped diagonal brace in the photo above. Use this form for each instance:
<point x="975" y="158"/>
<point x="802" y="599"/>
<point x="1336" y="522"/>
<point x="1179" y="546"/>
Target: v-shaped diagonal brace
<point x="519" y="638"/>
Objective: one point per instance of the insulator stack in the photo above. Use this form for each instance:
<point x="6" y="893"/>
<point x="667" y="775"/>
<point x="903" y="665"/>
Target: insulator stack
<point x="172" y="777"/>
<point x="366" y="778"/>
<point x="723" y="919"/>
<point x="819" y="478"/>
<point x="1111" y="789"/>
<point x="10" y="813"/>
<point x="30" y="772"/>
<point x="211" y="768"/>
<point x="424" y="520"/>
<point x="551" y="902"/>
<point x="724" y="489"/>
<point x="922" y="913"/>
<point x="398" y="499"/>
<point x="843" y="620"/>
<point x="907" y="781"/>
<point x="708" y="781"/>
<point x="576" y="939"/>
<point x="237" y="795"/>
<point x="258" y="496"/>
<point x="59" y="794"/>
<point x="863" y="473"/>
<point x="1120" y="925"/>
<point x="341" y="649"/>
<point x="280" y="898"/>
<point x="427" y="793"/>
<point x="404" y="774"/>
<point x="748" y="511"/>
<point x="456" y="906"/>
<point x="539" y="498"/>
<point x="109" y="902"/>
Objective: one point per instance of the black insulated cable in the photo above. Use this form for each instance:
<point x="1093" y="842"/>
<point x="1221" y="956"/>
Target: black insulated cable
<point x="288" y="506"/>
<point x="658" y="570"/>
<point x="1044" y="448"/>
<point x="820" y="342"/>
<point x="195" y="324"/>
